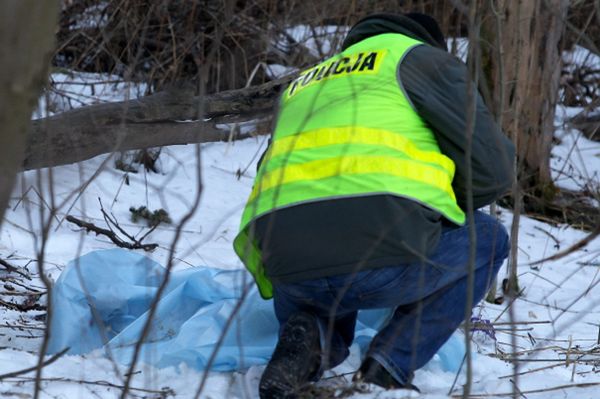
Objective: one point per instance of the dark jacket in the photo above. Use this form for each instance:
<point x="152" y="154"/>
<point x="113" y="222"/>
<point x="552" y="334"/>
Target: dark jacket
<point x="345" y="235"/>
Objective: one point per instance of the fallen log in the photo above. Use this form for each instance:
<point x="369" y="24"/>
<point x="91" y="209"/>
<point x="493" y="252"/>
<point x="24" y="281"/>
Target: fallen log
<point x="170" y="117"/>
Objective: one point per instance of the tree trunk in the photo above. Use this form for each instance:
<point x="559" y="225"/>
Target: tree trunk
<point x="531" y="57"/>
<point x="26" y="43"/>
<point x="522" y="61"/>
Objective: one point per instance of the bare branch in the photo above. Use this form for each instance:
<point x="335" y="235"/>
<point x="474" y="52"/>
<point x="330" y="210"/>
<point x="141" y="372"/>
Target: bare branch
<point x="111" y="235"/>
<point x="532" y="391"/>
<point x="577" y="246"/>
<point x="14" y="269"/>
<point x="33" y="368"/>
<point x="24" y="307"/>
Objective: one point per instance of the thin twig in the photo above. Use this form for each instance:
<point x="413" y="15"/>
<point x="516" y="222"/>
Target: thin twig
<point x="462" y="363"/>
<point x="556" y="388"/>
<point x="41" y="257"/>
<point x="533" y="370"/>
<point x="158" y="296"/>
<point x="33" y="368"/>
<point x="226" y="328"/>
<point x="111" y="235"/>
<point x="14" y="269"/>
<point x="22" y="307"/>
<point x="513" y="289"/>
<point x="20" y="327"/>
<point x="575" y="247"/>
<point x="509" y="323"/>
<point x="165" y="391"/>
<point x="8" y="266"/>
<point x="112" y="220"/>
<point x="556" y="241"/>
<point x="470" y="112"/>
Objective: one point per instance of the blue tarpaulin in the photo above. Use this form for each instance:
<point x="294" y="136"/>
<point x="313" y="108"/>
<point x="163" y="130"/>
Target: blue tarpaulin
<point x="101" y="300"/>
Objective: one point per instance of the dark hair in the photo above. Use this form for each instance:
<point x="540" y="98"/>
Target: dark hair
<point x="418" y="26"/>
<point x="430" y="25"/>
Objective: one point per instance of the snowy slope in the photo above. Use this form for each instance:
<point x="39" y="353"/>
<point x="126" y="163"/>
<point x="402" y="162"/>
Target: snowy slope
<point x="558" y="315"/>
<point x="560" y="296"/>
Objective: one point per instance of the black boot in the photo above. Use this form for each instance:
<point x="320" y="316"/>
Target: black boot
<point x="296" y="359"/>
<point x="372" y="372"/>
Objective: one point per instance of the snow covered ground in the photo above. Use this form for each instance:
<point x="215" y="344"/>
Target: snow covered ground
<point x="558" y="317"/>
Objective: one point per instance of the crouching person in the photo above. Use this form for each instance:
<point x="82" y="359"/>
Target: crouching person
<point x="359" y="203"/>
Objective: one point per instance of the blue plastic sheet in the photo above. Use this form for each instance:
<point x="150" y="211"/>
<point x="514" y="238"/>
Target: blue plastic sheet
<point x="101" y="301"/>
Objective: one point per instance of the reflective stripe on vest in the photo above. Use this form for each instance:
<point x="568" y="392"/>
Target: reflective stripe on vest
<point x="346" y="129"/>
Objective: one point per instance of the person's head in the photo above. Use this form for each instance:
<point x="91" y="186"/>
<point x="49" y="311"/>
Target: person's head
<point x="419" y="26"/>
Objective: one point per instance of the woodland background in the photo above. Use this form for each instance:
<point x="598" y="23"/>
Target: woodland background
<point x="220" y="65"/>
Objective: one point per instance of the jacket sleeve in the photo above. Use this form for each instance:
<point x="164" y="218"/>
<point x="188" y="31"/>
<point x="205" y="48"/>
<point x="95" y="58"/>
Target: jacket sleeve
<point x="436" y="84"/>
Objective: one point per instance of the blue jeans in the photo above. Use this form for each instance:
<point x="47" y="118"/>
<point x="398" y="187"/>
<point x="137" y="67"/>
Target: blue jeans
<point x="429" y="298"/>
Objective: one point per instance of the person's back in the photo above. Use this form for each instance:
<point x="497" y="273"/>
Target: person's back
<point x="364" y="174"/>
<point x="346" y="124"/>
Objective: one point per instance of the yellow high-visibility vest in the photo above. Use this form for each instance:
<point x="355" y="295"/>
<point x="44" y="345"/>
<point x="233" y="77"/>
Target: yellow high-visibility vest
<point x="347" y="129"/>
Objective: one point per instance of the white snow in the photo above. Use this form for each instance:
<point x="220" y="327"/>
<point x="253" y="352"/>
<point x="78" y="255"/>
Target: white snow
<point x="74" y="89"/>
<point x="95" y="16"/>
<point x="580" y="56"/>
<point x="575" y="161"/>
